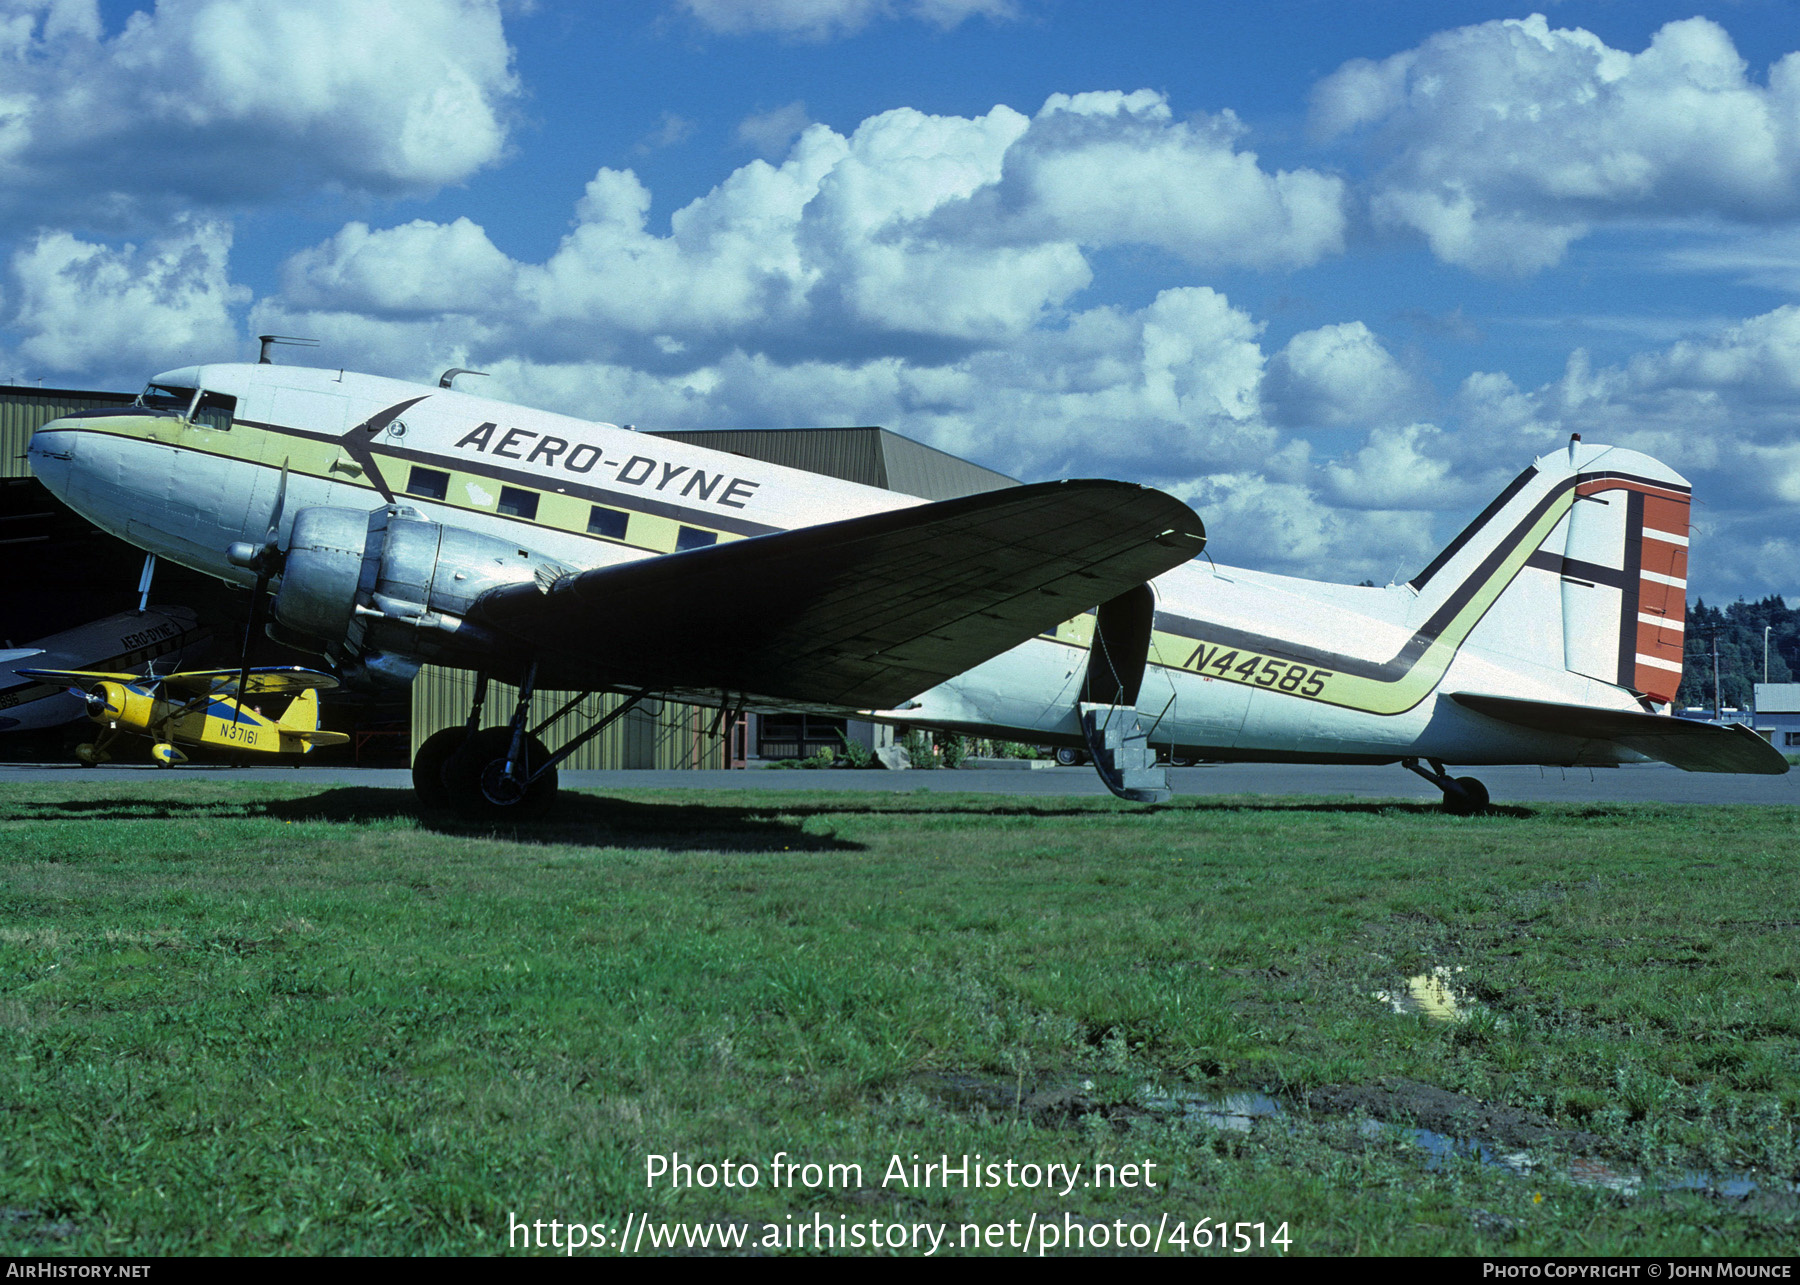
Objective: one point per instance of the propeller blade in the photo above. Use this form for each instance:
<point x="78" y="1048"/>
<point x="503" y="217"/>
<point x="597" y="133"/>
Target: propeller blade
<point x="266" y="561"/>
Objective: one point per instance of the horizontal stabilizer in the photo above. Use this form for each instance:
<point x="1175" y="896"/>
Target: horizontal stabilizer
<point x="862" y="613"/>
<point x="1691" y="746"/>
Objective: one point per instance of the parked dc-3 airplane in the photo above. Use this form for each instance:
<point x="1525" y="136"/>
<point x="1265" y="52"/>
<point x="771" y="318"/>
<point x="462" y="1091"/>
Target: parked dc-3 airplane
<point x="208" y="707"/>
<point x="400" y="524"/>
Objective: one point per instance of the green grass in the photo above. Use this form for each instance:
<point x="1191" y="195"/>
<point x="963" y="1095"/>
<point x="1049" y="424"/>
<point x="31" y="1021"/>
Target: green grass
<point x="255" y="1019"/>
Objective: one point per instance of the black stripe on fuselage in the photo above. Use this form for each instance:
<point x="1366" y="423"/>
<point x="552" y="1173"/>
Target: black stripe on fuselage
<point x="1468" y="533"/>
<point x="549" y="486"/>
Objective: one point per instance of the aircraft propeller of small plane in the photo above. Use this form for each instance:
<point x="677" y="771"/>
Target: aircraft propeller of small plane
<point x="216" y="708"/>
<point x="391" y="525"/>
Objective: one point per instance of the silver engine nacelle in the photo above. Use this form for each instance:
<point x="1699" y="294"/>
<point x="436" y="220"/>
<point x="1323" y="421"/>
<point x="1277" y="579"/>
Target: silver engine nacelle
<point x="390" y="589"/>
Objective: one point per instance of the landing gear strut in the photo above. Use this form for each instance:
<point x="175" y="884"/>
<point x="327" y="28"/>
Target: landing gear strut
<point x="497" y="773"/>
<point x="1464" y="796"/>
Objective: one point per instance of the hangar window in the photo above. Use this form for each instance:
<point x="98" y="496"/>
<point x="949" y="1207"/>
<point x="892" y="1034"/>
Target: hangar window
<point x="692" y="537"/>
<point x="429" y="483"/>
<point x="610" y="523"/>
<point x="1793" y="738"/>
<point x="516" y="502"/>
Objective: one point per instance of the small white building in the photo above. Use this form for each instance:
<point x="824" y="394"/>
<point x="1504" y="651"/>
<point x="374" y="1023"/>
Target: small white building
<point x="1778" y="715"/>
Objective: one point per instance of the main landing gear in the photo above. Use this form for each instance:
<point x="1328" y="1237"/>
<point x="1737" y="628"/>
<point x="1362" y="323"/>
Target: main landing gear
<point x="1464" y="796"/>
<point x="500" y="773"/>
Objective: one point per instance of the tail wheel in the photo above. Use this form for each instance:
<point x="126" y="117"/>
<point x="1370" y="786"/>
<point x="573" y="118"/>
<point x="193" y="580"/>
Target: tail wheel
<point x="478" y="783"/>
<point x="1069" y="756"/>
<point x="429" y="763"/>
<point x="1471" y="802"/>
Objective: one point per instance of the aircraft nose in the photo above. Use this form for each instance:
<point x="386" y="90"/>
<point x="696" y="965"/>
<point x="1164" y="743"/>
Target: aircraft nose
<point x="52" y="454"/>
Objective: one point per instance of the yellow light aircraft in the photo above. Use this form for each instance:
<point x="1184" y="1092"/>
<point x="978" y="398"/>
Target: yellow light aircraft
<point x="208" y="707"/>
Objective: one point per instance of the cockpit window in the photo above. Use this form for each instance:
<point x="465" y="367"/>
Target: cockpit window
<point x="166" y="397"/>
<point x="215" y="410"/>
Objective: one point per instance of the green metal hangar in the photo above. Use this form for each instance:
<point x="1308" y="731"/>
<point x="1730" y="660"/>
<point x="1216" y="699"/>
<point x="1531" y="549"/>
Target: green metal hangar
<point x="66" y="572"/>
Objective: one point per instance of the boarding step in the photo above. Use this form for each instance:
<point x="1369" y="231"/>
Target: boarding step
<point x="1122" y="754"/>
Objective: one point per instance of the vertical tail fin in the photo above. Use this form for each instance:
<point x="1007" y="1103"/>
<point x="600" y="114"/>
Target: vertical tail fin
<point x="302" y="713"/>
<point x="1584" y="560"/>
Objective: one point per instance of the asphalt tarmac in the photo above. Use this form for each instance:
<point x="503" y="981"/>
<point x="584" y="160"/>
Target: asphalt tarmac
<point x="1645" y="783"/>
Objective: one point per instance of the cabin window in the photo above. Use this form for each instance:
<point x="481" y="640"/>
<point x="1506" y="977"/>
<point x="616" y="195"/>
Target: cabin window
<point x="215" y="411"/>
<point x="692" y="537"/>
<point x="516" y="502"/>
<point x="429" y="483"/>
<point x="610" y="523"/>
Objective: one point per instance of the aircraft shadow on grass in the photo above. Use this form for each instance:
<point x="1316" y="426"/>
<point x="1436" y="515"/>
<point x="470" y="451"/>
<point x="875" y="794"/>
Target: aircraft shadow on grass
<point x="599" y="821"/>
<point x="581" y="820"/>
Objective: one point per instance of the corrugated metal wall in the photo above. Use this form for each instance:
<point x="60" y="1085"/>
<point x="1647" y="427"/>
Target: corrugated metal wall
<point x="674" y="737"/>
<point x="23" y="409"/>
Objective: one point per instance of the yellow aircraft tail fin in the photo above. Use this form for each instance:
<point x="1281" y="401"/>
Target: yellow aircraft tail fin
<point x="302" y="713"/>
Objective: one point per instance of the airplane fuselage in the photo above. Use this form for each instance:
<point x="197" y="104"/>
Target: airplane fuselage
<point x="1242" y="664"/>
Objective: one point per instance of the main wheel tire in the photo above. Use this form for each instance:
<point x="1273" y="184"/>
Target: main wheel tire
<point x="475" y="777"/>
<point x="428" y="766"/>
<point x="1471" y="802"/>
<point x="1067" y="756"/>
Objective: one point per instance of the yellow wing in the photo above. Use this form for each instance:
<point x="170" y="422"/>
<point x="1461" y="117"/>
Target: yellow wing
<point x="282" y="681"/>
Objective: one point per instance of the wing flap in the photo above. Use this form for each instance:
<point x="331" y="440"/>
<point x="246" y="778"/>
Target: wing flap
<point x="1691" y="746"/>
<point x="862" y="613"/>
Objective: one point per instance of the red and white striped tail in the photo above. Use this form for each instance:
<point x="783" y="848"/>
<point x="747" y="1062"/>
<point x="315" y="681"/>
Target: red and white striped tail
<point x="1662" y="596"/>
<point x="1625" y="578"/>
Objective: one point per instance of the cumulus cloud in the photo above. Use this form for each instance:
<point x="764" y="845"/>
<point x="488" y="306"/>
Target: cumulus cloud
<point x="1335" y="376"/>
<point x="825" y="19"/>
<point x="219" y="102"/>
<point x="884" y="242"/>
<point x="94" y="308"/>
<point x="1115" y="168"/>
<point x="1504" y="142"/>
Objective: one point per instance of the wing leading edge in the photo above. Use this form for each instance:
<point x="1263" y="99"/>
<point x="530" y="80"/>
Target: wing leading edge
<point x="863" y="613"/>
<point x="1694" y="747"/>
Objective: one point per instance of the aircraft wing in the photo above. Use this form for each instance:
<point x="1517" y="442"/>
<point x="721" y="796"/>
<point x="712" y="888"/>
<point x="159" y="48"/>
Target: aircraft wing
<point x="264" y="681"/>
<point x="862" y="613"/>
<point x="1694" y="747"/>
<point x="83" y="678"/>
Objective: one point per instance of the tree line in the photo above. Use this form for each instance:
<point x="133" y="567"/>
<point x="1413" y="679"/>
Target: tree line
<point x="1738" y="628"/>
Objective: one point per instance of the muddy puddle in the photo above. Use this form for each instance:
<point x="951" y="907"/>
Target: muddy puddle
<point x="1443" y="1125"/>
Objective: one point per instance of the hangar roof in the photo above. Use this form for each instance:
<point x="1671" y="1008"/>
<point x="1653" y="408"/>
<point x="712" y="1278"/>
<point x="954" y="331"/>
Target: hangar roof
<point x="871" y="456"/>
<point x="1778" y="698"/>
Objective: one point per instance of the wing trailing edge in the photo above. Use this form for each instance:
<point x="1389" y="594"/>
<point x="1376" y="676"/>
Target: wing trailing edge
<point x="862" y="613"/>
<point x="1691" y="746"/>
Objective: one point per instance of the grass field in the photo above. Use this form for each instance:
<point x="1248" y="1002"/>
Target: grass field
<point x="262" y="1018"/>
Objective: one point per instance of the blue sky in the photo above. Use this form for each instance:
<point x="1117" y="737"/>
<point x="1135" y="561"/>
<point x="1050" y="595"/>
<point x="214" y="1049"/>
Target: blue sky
<point x="1330" y="272"/>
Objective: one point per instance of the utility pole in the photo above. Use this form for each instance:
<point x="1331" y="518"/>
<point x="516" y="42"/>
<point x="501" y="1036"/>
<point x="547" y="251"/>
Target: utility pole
<point x="1718" y="707"/>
